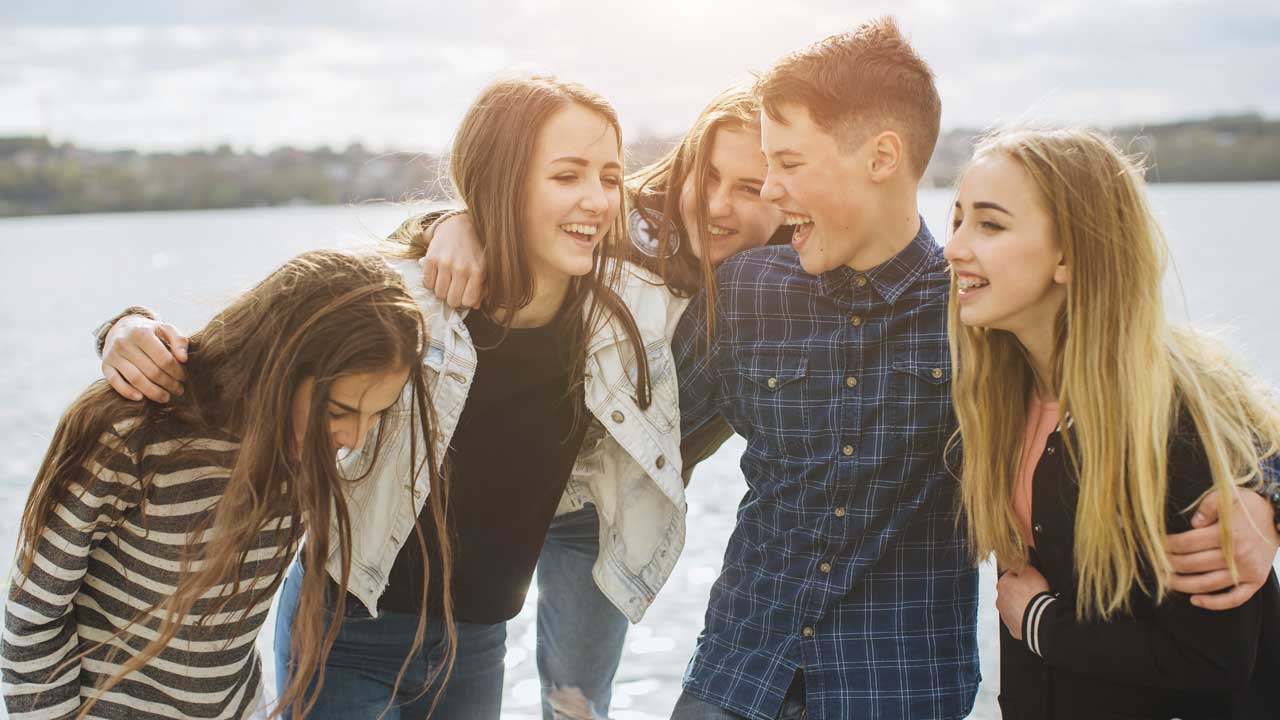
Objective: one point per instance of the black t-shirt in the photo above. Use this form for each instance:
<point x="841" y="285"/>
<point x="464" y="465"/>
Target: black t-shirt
<point x="508" y="464"/>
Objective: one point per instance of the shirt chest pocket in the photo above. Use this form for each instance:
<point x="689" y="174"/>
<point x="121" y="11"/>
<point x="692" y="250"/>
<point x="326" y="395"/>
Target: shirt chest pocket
<point x="774" y="393"/>
<point x="920" y="395"/>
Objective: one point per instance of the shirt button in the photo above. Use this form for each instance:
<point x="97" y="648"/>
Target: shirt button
<point x="807" y="631"/>
<point x="661" y="462"/>
<point x="773" y="382"/>
<point x="1049" y="449"/>
<point x="847" y="450"/>
<point x="825" y="567"/>
<point x="1038" y="528"/>
<point x="618" y="416"/>
<point x="840" y="511"/>
<point x="855" y="320"/>
<point x="862" y="282"/>
<point x="851" y="381"/>
<point x="937" y="373"/>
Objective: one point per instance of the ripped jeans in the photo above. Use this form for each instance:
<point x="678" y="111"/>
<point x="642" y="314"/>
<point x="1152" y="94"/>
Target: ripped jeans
<point x="579" y="644"/>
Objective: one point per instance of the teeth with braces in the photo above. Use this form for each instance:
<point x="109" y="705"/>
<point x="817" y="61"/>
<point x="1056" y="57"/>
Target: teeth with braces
<point x="581" y="229"/>
<point x="966" y="284"/>
<point x="795" y="219"/>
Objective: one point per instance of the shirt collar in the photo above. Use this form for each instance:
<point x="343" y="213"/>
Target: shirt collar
<point x="892" y="277"/>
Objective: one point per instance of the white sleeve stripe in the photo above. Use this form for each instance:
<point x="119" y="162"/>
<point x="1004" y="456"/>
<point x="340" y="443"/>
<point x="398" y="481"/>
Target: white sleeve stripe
<point x="1034" y="614"/>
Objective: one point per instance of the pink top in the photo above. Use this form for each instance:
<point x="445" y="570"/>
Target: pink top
<point x="1042" y="419"/>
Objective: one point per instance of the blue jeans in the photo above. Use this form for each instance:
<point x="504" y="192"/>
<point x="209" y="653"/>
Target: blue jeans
<point x="366" y="657"/>
<point x="579" y="645"/>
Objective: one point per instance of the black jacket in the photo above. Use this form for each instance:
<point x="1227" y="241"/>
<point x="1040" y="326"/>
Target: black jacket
<point x="1168" y="661"/>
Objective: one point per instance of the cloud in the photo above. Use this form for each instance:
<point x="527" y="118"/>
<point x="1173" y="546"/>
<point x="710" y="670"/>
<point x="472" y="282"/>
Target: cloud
<point x="400" y="74"/>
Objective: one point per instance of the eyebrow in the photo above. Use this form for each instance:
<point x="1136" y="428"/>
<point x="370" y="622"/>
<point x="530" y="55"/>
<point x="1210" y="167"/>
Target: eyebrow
<point x="783" y="151"/>
<point x="583" y="162"/>
<point x="344" y="406"/>
<point x="984" y="205"/>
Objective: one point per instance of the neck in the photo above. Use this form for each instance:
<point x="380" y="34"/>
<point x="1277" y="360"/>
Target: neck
<point x="1038" y="343"/>
<point x="548" y="297"/>
<point x="898" y="225"/>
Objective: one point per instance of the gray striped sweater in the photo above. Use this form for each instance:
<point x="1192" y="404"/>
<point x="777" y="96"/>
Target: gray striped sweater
<point x="104" y="557"/>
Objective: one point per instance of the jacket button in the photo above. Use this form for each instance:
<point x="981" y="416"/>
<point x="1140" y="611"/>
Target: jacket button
<point x="839" y="511"/>
<point x="618" y="416"/>
<point x="661" y="462"/>
<point x="773" y="383"/>
<point x="807" y="631"/>
<point x="1038" y="528"/>
<point x="825" y="567"/>
<point x="856" y="320"/>
<point x="847" y="450"/>
<point x="851" y="381"/>
<point x="936" y="373"/>
<point x="862" y="281"/>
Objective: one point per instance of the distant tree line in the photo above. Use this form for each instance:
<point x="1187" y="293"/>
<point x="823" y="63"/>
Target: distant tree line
<point x="39" y="177"/>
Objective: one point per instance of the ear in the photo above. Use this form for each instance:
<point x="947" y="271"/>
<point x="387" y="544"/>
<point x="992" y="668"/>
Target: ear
<point x="885" y="155"/>
<point x="1062" y="273"/>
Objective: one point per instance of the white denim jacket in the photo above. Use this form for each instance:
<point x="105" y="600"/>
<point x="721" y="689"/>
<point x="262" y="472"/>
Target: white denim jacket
<point x="629" y="466"/>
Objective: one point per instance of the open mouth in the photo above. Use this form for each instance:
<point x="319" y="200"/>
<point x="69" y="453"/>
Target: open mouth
<point x="803" y="227"/>
<point x="580" y="232"/>
<point x="969" y="284"/>
<point x="718" y="232"/>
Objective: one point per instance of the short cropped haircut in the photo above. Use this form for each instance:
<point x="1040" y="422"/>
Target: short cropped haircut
<point x="857" y="84"/>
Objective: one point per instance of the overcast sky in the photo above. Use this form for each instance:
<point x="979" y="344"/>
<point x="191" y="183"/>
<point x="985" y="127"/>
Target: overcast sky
<point x="396" y="74"/>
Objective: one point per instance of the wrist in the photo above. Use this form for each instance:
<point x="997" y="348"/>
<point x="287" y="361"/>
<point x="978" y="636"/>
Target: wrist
<point x="100" y="333"/>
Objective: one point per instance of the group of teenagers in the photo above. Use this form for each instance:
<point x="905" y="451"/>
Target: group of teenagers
<point x="521" y="386"/>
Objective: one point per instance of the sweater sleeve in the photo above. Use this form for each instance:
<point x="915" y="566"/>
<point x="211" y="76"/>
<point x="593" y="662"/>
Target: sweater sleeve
<point x="40" y="633"/>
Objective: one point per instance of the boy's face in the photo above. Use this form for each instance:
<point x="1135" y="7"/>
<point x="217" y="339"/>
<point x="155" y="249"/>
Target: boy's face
<point x="822" y="188"/>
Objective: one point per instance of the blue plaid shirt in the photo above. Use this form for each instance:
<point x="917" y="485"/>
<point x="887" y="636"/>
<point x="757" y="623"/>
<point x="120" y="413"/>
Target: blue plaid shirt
<point x="846" y="561"/>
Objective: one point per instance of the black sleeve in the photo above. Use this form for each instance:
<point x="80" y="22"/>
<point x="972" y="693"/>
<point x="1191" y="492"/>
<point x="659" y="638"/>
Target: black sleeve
<point x="1171" y="645"/>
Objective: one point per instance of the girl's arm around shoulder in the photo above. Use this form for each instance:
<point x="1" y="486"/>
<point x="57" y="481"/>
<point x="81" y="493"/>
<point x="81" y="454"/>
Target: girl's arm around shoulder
<point x="1173" y="644"/>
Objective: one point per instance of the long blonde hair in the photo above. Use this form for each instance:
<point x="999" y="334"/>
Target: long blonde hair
<point x="1123" y="375"/>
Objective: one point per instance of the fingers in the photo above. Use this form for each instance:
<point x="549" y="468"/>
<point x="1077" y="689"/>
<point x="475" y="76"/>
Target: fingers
<point x="1199" y="562"/>
<point x="1227" y="600"/>
<point x="1202" y="583"/>
<point x="428" y="272"/>
<point x="177" y="343"/>
<point x="142" y="358"/>
<point x="457" y="288"/>
<point x="1192" y="541"/>
<point x="118" y="383"/>
<point x="474" y="293"/>
<point x="1206" y="512"/>
<point x="137" y="380"/>
<point x="156" y="355"/>
<point x="444" y="280"/>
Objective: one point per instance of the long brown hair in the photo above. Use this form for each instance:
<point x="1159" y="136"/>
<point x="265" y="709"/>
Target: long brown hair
<point x="489" y="166"/>
<point x="1122" y="374"/>
<point x="322" y="315"/>
<point x="656" y="190"/>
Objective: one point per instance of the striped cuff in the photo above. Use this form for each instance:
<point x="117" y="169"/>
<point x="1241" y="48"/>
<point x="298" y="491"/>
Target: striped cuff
<point x="1031" y="620"/>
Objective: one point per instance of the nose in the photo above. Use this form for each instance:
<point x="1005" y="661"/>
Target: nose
<point x="350" y="434"/>
<point x="772" y="190"/>
<point x="718" y="204"/>
<point x="957" y="248"/>
<point x="595" y="199"/>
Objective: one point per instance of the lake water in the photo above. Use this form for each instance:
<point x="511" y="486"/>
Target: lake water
<point x="61" y="276"/>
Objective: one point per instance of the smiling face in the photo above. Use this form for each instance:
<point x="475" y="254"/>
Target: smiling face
<point x="737" y="217"/>
<point x="824" y="189"/>
<point x="574" y="190"/>
<point x="1007" y="263"/>
<point x="355" y="402"/>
